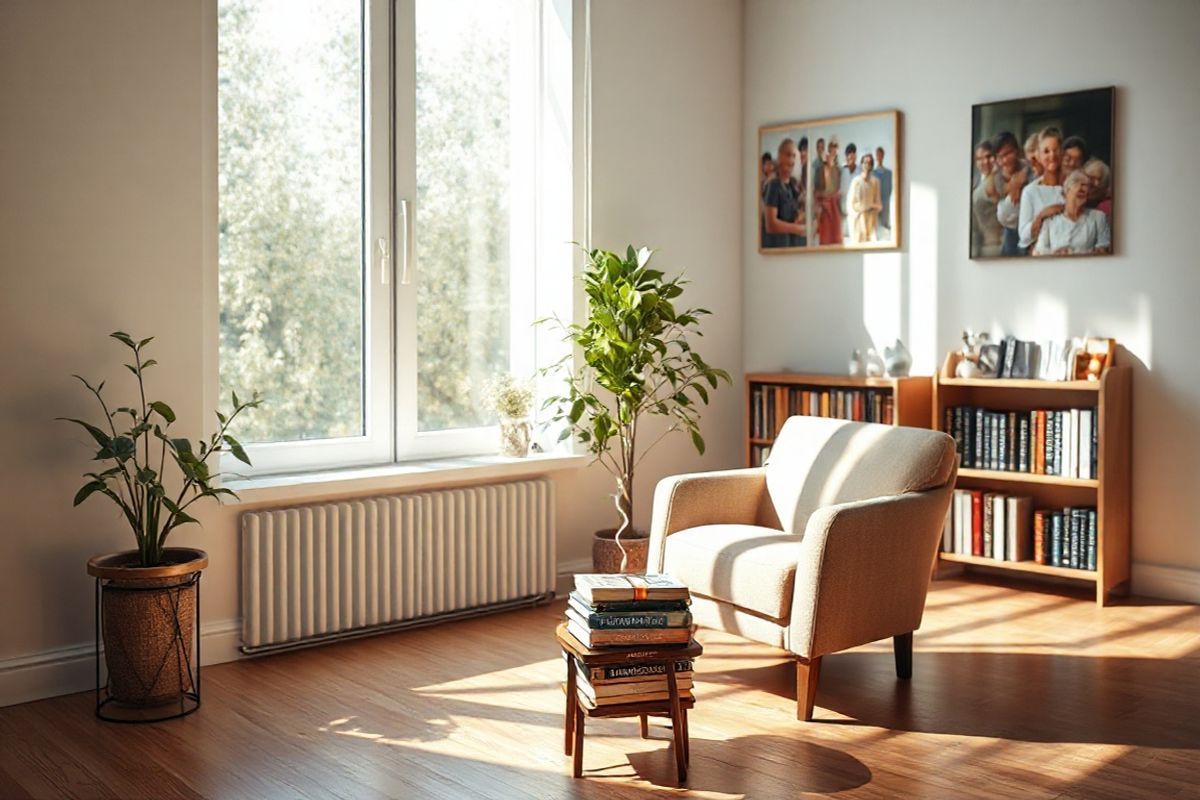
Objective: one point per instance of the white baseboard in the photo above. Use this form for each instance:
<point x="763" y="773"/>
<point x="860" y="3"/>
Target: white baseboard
<point x="1168" y="583"/>
<point x="566" y="574"/>
<point x="65" y="670"/>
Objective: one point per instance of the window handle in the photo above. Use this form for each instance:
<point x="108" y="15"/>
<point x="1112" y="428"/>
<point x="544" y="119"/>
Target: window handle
<point x="402" y="228"/>
<point x="384" y="258"/>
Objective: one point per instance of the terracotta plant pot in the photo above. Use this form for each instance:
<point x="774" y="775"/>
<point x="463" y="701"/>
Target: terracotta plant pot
<point x="606" y="555"/>
<point x="148" y="624"/>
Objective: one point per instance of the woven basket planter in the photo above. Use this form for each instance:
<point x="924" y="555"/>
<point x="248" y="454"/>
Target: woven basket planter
<point x="148" y="624"/>
<point x="606" y="555"/>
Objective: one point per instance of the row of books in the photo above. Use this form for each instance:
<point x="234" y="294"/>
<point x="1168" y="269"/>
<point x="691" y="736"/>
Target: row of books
<point x="989" y="524"/>
<point x="627" y="611"/>
<point x="770" y="406"/>
<point x="1065" y="537"/>
<point x="1060" y="442"/>
<point x="1007" y="528"/>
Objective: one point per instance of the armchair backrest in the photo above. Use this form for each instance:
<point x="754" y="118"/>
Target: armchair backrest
<point x="817" y="462"/>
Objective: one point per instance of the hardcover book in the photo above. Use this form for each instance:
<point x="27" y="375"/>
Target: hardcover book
<point x="590" y="638"/>
<point x="595" y="588"/>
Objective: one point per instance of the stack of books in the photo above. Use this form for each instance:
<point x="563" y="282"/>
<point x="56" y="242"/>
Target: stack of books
<point x="630" y="611"/>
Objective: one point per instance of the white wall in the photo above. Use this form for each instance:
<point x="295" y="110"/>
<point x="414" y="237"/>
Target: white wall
<point x="107" y="184"/>
<point x="932" y="60"/>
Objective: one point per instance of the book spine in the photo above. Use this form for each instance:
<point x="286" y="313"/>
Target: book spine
<point x="989" y="521"/>
<point x="976" y="523"/>
<point x="1073" y="550"/>
<point x="1039" y="533"/>
<point x="618" y="671"/>
<point x="978" y="435"/>
<point x="1039" y="446"/>
<point x="1091" y="539"/>
<point x="605" y="621"/>
<point x="1095" y="445"/>
<point x="1023" y="444"/>
<point x="1056" y="531"/>
<point x="1010" y="450"/>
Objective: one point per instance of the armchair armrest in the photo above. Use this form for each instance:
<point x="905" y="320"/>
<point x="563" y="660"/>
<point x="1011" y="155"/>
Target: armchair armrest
<point x="864" y="570"/>
<point x="704" y="498"/>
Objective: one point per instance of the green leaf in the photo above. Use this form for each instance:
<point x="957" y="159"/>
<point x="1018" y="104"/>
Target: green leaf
<point x="235" y="400"/>
<point x="88" y="489"/>
<point x="150" y="362"/>
<point x="100" y="436"/>
<point x="145" y="475"/>
<point x="163" y="410"/>
<point x="697" y="441"/>
<point x="235" y="447"/>
<point x="576" y="411"/>
<point x="566" y="434"/>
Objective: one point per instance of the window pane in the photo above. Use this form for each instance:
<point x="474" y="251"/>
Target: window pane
<point x="291" y="214"/>
<point x="462" y="225"/>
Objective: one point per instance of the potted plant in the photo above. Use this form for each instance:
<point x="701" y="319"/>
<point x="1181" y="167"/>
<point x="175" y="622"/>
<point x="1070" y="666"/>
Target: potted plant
<point x="147" y="633"/>
<point x="511" y="400"/>
<point x="638" y="362"/>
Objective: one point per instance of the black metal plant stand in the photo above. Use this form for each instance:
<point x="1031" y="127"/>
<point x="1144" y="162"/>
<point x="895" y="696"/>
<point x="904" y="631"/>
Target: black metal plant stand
<point x="109" y="708"/>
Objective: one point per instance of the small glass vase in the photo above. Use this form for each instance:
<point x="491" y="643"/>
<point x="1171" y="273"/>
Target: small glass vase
<point x="515" y="435"/>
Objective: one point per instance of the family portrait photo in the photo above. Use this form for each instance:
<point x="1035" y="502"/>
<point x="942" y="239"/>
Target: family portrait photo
<point x="1042" y="176"/>
<point x="830" y="184"/>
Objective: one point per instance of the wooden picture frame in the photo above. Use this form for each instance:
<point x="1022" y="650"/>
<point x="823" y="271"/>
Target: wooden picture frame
<point x="1084" y="121"/>
<point x="801" y="214"/>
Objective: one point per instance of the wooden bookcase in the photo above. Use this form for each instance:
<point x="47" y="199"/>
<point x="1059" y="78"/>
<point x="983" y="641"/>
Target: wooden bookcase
<point x="910" y="398"/>
<point x="1109" y="492"/>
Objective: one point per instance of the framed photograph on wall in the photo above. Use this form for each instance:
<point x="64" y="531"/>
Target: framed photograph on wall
<point x="1042" y="176"/>
<point x="830" y="184"/>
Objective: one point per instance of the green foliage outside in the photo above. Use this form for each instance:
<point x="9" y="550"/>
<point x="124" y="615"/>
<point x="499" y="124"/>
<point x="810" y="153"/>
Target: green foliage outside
<point x="290" y="219"/>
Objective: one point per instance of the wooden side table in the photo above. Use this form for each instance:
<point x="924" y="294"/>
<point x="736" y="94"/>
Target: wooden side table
<point x="578" y="708"/>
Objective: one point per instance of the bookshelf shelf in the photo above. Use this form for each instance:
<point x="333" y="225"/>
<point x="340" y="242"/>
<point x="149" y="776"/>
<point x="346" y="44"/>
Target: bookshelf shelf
<point x="908" y="399"/>
<point x="1108" y="492"/>
<point x="1026" y="477"/>
<point x="1011" y="383"/>
<point x="1023" y="566"/>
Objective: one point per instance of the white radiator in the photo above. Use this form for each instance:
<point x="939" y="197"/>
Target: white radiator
<point x="358" y="566"/>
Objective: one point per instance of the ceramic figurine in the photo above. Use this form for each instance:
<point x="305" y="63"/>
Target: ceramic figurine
<point x="873" y="364"/>
<point x="897" y="360"/>
<point x="967" y="369"/>
<point x="856" y="364"/>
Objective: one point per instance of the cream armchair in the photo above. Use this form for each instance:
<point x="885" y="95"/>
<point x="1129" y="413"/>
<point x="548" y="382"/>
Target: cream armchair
<point x="827" y="547"/>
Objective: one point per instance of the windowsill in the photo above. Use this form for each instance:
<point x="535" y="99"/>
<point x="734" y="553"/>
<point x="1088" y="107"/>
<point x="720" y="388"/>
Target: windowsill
<point x="304" y="486"/>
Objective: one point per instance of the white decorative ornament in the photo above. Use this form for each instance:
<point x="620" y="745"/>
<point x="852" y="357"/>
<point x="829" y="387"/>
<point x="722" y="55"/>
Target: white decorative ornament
<point x="856" y="364"/>
<point x="874" y="364"/>
<point x="897" y="360"/>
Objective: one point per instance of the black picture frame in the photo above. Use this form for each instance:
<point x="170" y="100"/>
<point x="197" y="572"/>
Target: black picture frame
<point x="1087" y="114"/>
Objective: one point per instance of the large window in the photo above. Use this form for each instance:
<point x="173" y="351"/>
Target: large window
<point x="392" y="175"/>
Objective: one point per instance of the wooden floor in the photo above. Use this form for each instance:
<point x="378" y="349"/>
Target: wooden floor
<point x="1015" y="694"/>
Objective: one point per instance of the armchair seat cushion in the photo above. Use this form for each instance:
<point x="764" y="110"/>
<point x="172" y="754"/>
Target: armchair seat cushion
<point x="748" y="566"/>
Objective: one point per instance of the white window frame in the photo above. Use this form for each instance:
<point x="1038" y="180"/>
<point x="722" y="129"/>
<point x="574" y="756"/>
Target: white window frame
<point x="541" y="260"/>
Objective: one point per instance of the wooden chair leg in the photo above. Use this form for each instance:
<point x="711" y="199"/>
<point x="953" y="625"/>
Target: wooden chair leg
<point x="569" y="714"/>
<point x="902" y="645"/>
<point x="577" y="763"/>
<point x="687" y="739"/>
<point x="677" y="724"/>
<point x="645" y="724"/>
<point x="807" y="674"/>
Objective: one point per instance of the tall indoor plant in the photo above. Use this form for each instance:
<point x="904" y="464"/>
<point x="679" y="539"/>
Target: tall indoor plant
<point x="638" y="362"/>
<point x="147" y="632"/>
